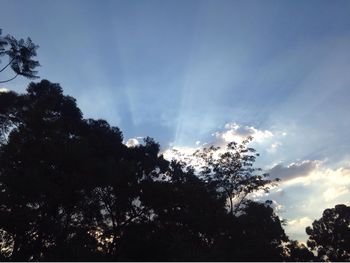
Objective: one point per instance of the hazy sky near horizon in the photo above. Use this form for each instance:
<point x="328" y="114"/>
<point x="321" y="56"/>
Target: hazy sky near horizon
<point x="191" y="72"/>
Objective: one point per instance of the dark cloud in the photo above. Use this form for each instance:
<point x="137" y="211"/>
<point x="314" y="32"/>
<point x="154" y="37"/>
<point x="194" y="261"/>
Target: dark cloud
<point x="293" y="170"/>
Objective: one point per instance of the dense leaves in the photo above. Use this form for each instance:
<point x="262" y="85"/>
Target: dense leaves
<point x="20" y="54"/>
<point x="70" y="190"/>
<point x="330" y="235"/>
<point x="231" y="171"/>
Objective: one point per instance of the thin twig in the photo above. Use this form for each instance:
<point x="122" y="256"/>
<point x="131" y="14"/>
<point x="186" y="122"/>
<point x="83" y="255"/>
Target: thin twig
<point x="4" y="81"/>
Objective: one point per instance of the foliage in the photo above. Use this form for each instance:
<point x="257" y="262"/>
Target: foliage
<point x="297" y="252"/>
<point x="255" y="235"/>
<point x="70" y="190"/>
<point x="20" y="55"/>
<point x="330" y="235"/>
<point x="231" y="171"/>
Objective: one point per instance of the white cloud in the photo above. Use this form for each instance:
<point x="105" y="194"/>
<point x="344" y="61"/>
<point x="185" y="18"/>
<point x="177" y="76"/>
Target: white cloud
<point x="3" y="90"/>
<point x="233" y="132"/>
<point x="237" y="133"/>
<point x="297" y="226"/>
<point x="300" y="222"/>
<point x="333" y="193"/>
<point x="262" y="140"/>
<point x="132" y="142"/>
<point x="310" y="188"/>
<point x="273" y="147"/>
<point x="179" y="153"/>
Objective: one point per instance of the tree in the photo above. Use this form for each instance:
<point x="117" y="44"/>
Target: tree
<point x="255" y="235"/>
<point x="230" y="170"/>
<point x="40" y="188"/>
<point x="70" y="190"/>
<point x="185" y="216"/>
<point x="297" y="252"/>
<point x="115" y="201"/>
<point x="67" y="184"/>
<point x="20" y="55"/>
<point x="330" y="235"/>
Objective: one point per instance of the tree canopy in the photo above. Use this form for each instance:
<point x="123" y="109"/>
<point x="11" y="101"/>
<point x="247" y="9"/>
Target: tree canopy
<point x="70" y="190"/>
<point x="231" y="171"/>
<point x="329" y="236"/>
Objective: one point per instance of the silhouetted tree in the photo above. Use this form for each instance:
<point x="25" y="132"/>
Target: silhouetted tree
<point x="20" y="55"/>
<point x="255" y="235"/>
<point x="66" y="182"/>
<point x="185" y="216"/>
<point x="115" y="200"/>
<point x="330" y="235"/>
<point x="70" y="190"/>
<point x="297" y="252"/>
<point x="232" y="171"/>
<point x="39" y="170"/>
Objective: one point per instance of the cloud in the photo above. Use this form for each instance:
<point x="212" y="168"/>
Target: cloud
<point x="310" y="188"/>
<point x="132" y="142"/>
<point x="297" y="227"/>
<point x="262" y="140"/>
<point x="180" y="153"/>
<point x="321" y="176"/>
<point x="3" y="90"/>
<point x="273" y="147"/>
<point x="232" y="132"/>
<point x="300" y="222"/>
<point x="333" y="193"/>
<point x="293" y="170"/>
<point x="237" y="133"/>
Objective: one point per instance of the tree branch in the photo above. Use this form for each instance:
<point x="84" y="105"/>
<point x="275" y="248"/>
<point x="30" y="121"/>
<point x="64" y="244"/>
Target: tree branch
<point x="240" y="202"/>
<point x="7" y="65"/>
<point x="4" y="81"/>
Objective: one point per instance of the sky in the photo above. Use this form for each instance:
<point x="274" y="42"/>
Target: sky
<point x="189" y="72"/>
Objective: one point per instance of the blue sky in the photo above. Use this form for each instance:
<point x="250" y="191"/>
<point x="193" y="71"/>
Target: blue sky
<point x="201" y="71"/>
